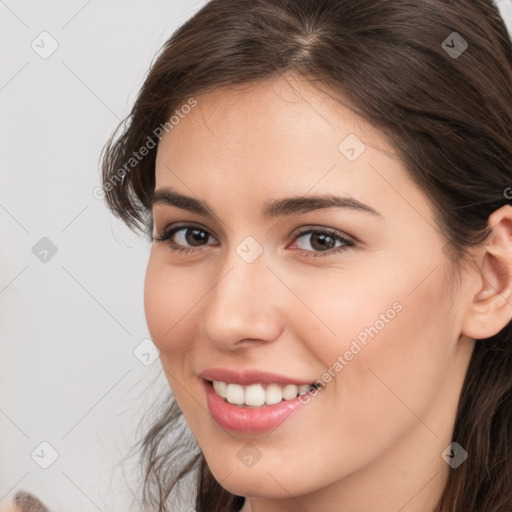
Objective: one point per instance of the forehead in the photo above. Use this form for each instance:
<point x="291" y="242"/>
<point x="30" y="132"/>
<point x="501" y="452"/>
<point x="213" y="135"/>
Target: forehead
<point x="277" y="137"/>
<point x="273" y="112"/>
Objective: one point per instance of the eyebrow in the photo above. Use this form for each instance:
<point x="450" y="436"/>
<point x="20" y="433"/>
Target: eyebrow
<point x="273" y="208"/>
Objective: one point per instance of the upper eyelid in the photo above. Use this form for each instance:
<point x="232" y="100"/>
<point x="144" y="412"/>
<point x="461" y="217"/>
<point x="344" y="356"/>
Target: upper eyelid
<point x="171" y="229"/>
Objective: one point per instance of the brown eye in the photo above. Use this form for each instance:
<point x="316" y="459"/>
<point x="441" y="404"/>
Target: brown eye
<point x="320" y="242"/>
<point x="192" y="236"/>
<point x="185" y="238"/>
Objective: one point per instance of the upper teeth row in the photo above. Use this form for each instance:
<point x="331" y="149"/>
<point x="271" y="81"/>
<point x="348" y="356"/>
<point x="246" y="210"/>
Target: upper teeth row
<point x="256" y="395"/>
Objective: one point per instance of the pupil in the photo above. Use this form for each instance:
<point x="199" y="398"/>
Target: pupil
<point x="197" y="236"/>
<point x="325" y="241"/>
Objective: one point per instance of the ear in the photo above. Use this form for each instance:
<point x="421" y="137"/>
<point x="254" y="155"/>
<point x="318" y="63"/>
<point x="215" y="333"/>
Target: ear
<point x="490" y="309"/>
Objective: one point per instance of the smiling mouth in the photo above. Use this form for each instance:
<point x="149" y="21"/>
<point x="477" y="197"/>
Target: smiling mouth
<point x="258" y="395"/>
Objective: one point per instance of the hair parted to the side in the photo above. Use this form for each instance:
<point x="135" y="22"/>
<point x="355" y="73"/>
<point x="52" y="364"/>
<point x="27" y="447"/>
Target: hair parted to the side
<point x="450" y="120"/>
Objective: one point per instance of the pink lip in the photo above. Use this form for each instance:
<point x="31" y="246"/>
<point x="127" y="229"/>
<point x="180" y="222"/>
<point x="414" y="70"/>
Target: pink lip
<point x="248" y="419"/>
<point x="247" y="377"/>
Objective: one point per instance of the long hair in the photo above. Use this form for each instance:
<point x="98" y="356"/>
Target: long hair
<point x="436" y="77"/>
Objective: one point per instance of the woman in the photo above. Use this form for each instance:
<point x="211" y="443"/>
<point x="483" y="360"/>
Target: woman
<point x="327" y="187"/>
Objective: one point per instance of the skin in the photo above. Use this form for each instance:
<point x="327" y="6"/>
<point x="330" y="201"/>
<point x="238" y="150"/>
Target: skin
<point x="372" y="438"/>
<point x="23" y="502"/>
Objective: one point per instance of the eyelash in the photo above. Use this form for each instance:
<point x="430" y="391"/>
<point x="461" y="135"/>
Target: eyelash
<point x="166" y="236"/>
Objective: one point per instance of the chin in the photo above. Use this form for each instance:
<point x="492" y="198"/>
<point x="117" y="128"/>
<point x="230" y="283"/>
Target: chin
<point x="263" y="482"/>
<point x="253" y="486"/>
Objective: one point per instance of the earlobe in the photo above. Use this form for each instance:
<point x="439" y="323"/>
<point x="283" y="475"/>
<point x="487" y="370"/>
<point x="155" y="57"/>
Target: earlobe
<point x="491" y="307"/>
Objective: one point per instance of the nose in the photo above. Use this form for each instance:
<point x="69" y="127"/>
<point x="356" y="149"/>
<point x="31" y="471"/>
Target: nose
<point x="241" y="308"/>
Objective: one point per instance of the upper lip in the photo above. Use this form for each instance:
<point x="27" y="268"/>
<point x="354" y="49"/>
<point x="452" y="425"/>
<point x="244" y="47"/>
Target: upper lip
<point x="246" y="377"/>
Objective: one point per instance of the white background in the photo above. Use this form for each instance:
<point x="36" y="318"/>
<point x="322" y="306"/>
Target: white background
<point x="69" y="326"/>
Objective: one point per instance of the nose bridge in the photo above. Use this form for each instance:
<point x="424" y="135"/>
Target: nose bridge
<point x="238" y="305"/>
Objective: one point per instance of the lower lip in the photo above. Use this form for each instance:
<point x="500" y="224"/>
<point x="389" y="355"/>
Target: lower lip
<point x="248" y="419"/>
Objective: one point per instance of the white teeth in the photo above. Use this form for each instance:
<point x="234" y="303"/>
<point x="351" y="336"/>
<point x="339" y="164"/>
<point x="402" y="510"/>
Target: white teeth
<point x="256" y="395"/>
<point x="290" y="391"/>
<point x="273" y="394"/>
<point x="304" y="389"/>
<point x="235" y="394"/>
<point x="220" y="388"/>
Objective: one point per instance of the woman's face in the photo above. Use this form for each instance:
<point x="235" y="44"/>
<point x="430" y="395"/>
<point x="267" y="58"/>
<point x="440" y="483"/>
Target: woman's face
<point x="356" y="297"/>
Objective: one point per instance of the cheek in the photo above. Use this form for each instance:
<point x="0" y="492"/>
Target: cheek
<point x="340" y="316"/>
<point x="386" y="315"/>
<point x="169" y="297"/>
<point x="380" y="338"/>
<point x="402" y="363"/>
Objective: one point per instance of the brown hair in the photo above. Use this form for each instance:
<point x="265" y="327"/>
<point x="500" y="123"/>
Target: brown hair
<point x="448" y="115"/>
